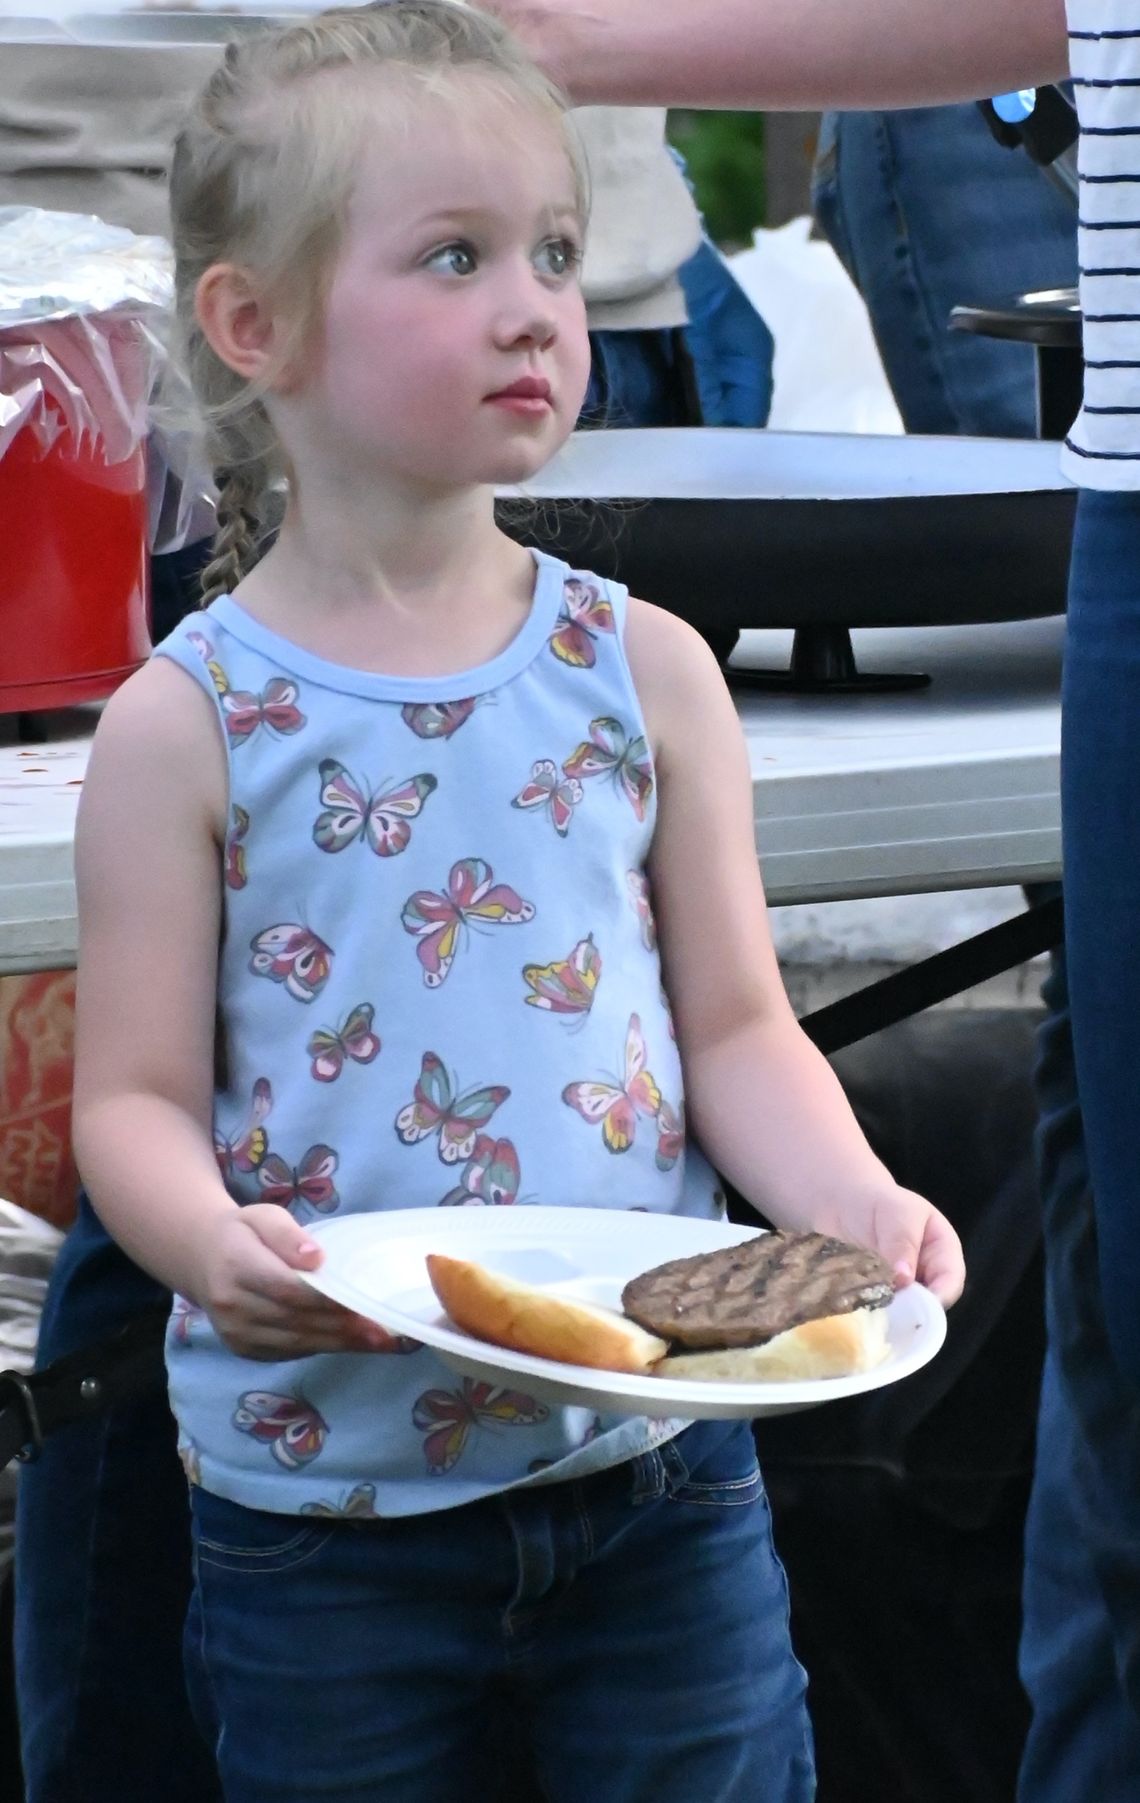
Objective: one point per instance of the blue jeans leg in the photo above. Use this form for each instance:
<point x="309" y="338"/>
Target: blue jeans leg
<point x="635" y="1624"/>
<point x="927" y="212"/>
<point x="103" y="1571"/>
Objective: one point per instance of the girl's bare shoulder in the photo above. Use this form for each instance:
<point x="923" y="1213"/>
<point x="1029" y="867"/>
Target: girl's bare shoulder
<point x="159" y="740"/>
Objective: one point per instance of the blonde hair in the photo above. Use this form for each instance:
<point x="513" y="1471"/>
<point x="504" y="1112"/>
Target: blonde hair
<point x="262" y="177"/>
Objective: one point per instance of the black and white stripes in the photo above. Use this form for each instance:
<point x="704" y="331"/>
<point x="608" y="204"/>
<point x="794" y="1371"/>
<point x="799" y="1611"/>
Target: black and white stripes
<point x="1103" y="449"/>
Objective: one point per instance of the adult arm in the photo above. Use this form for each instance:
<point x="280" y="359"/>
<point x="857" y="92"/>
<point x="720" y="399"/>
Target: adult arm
<point x="791" y="54"/>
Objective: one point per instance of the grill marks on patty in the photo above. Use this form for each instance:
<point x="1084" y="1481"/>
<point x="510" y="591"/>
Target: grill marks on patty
<point x="744" y="1295"/>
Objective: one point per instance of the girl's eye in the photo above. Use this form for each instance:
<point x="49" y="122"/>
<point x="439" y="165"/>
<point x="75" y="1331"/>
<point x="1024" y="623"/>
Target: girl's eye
<point x="453" y="259"/>
<point x="559" y="257"/>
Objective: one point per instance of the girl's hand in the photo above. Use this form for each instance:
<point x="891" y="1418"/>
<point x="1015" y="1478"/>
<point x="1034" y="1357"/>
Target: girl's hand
<point x="259" y="1307"/>
<point x="908" y="1231"/>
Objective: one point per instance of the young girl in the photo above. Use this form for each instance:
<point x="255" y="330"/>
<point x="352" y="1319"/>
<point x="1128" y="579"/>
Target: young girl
<point x="366" y="863"/>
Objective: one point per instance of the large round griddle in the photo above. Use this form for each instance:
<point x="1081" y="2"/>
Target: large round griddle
<point x="817" y="531"/>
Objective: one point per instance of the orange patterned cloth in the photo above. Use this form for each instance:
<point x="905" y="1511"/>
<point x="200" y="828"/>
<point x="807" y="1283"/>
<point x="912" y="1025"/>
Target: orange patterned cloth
<point x="37" y="1032"/>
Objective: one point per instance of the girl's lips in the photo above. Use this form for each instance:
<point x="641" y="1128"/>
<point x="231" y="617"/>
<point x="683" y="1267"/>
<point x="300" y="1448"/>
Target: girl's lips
<point x="529" y="395"/>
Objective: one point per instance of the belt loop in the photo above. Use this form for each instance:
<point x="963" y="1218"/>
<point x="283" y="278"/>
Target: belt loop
<point x="34" y="1441"/>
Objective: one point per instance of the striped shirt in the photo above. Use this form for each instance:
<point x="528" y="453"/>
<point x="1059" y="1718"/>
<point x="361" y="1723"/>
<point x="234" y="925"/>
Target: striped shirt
<point x="1103" y="448"/>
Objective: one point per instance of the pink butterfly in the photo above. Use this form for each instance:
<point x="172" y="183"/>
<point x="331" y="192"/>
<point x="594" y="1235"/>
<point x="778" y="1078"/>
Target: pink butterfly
<point x="353" y="1039"/>
<point x="567" y="986"/>
<point x="205" y="651"/>
<point x="435" y="1108"/>
<point x="546" y="788"/>
<point x="236" y="875"/>
<point x="275" y="708"/>
<point x="617" y="1106"/>
<point x="247" y="1150"/>
<point x="610" y="751"/>
<point x="437" y="719"/>
<point x="288" y="1425"/>
<point x="310" y="1182"/>
<point x="381" y="820"/>
<point x="358" y="1505"/>
<point x="670" y="1136"/>
<point x="637" y="884"/>
<point x="448" y="1416"/>
<point x="472" y="896"/>
<point x="584" y="614"/>
<point x="292" y="954"/>
<point x="183" y="1316"/>
<point x="491" y="1175"/>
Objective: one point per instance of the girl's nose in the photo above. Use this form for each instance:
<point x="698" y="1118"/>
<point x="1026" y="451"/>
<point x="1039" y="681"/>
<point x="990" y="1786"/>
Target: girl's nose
<point x="525" y="315"/>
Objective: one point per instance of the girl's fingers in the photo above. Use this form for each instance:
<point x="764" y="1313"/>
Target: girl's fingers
<point x="941" y="1266"/>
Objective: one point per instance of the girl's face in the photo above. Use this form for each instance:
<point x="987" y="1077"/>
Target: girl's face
<point x="454" y="347"/>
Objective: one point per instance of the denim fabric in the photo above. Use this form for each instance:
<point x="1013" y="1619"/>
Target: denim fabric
<point x="631" y="1627"/>
<point x="927" y="212"/>
<point x="1080" y="1654"/>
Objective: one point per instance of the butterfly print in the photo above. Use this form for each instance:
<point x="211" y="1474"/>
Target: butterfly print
<point x="448" y="1416"/>
<point x="473" y="897"/>
<point x="288" y="1425"/>
<point x="310" y="1182"/>
<point x="245" y="1152"/>
<point x="275" y="708"/>
<point x="437" y="719"/>
<point x="353" y="1039"/>
<point x="381" y="820"/>
<point x="292" y="954"/>
<point x="205" y="651"/>
<point x="546" y="789"/>
<point x="583" y="615"/>
<point x="358" y="1505"/>
<point x="435" y="1108"/>
<point x="490" y="1176"/>
<point x="567" y="986"/>
<point x="183" y="1316"/>
<point x="609" y="751"/>
<point x="236" y="875"/>
<point x="637" y="884"/>
<point x="617" y="1106"/>
<point x="670" y="1136"/>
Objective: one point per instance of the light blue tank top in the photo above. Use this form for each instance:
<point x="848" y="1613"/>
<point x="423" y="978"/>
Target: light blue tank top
<point x="438" y="986"/>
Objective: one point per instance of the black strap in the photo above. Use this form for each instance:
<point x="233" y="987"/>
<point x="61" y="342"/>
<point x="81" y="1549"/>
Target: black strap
<point x="83" y="1384"/>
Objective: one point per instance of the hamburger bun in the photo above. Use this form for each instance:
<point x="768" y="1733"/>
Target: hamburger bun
<point x="831" y="1346"/>
<point x="526" y="1318"/>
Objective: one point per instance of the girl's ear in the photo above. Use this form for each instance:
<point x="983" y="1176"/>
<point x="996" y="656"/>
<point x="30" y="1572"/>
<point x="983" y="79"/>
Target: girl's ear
<point x="238" y="325"/>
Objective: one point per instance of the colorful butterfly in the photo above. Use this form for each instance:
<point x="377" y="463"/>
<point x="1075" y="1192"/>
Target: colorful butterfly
<point x="288" y="1425"/>
<point x="182" y="1318"/>
<point x="292" y="954"/>
<point x="236" y="875"/>
<point x="205" y="651"/>
<point x="245" y="1152"/>
<point x="546" y="788"/>
<point x="437" y="719"/>
<point x="436" y="1108"/>
<point x="637" y="884"/>
<point x="618" y="1106"/>
<point x="275" y="708"/>
<point x="310" y="1182"/>
<point x="584" y="614"/>
<point x="359" y="1505"/>
<point x="448" y="1416"/>
<point x="670" y="1136"/>
<point x="472" y="896"/>
<point x="353" y="1039"/>
<point x="381" y="820"/>
<point x="567" y="986"/>
<point x="610" y="751"/>
<point x="490" y="1176"/>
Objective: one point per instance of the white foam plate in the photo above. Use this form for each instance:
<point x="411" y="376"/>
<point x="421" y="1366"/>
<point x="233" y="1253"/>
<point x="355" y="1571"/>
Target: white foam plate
<point x="375" y="1265"/>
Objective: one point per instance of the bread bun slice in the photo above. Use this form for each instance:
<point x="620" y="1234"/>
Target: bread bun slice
<point x="831" y="1346"/>
<point x="526" y="1318"/>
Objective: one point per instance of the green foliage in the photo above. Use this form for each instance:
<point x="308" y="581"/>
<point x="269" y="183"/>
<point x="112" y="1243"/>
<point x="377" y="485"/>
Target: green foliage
<point x="725" y="156"/>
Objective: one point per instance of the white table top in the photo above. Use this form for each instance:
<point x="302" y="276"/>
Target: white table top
<point x="950" y="787"/>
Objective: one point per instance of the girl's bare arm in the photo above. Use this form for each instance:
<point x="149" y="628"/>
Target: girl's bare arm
<point x="788" y="54"/>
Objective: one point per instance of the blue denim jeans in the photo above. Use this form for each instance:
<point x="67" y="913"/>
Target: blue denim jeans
<point x="632" y="1627"/>
<point x="927" y="212"/>
<point x="1079" y="1651"/>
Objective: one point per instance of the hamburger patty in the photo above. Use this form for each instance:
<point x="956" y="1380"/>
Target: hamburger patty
<point x="746" y="1294"/>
